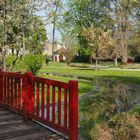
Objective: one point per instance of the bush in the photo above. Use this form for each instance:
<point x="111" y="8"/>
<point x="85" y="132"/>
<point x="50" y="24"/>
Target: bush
<point x="9" y="60"/>
<point x="33" y="63"/>
<point x="70" y="53"/>
<point x="47" y="59"/>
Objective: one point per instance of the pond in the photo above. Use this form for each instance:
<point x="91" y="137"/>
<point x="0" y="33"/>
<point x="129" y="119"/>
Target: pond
<point x="100" y="107"/>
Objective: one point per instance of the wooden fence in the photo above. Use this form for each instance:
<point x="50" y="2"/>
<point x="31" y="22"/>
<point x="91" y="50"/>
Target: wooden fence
<point x="49" y="102"/>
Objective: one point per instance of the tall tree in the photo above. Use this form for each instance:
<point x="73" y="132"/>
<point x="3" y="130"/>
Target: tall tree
<point x="124" y="16"/>
<point x="52" y="13"/>
<point x="11" y="12"/>
<point x="81" y="14"/>
<point x="18" y="23"/>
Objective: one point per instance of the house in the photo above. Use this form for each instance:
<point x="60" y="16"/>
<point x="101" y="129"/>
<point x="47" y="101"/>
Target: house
<point x="59" y="51"/>
<point x="60" y="54"/>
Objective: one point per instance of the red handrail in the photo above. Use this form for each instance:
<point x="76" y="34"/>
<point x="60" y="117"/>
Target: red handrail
<point x="50" y="102"/>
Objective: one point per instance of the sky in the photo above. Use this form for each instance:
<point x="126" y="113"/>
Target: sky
<point x="49" y="28"/>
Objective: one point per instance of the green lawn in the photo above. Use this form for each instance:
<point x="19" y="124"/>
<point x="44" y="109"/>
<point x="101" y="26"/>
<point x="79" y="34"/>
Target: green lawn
<point x="126" y="76"/>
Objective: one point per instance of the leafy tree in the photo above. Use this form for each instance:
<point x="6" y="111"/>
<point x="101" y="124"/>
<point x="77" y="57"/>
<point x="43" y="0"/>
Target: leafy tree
<point x="35" y="36"/>
<point x="81" y="14"/>
<point x="12" y="13"/>
<point x="134" y="44"/>
<point x="21" y="30"/>
<point x="100" y="42"/>
<point x="125" y="13"/>
<point x="120" y="16"/>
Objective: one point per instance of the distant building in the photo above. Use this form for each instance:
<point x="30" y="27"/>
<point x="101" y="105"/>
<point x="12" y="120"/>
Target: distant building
<point x="60" y="54"/>
<point x="59" y="51"/>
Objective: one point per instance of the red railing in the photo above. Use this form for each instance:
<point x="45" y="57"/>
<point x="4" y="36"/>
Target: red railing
<point x="49" y="102"/>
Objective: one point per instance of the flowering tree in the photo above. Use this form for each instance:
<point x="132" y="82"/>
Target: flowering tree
<point x="100" y="42"/>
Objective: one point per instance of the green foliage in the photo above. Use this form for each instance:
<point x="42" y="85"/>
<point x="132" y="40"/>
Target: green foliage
<point x="70" y="53"/>
<point x="100" y="42"/>
<point x="136" y="110"/>
<point x="10" y="60"/>
<point x="81" y="14"/>
<point x="33" y="63"/>
<point x="36" y="35"/>
<point x="47" y="59"/>
<point x="20" y="29"/>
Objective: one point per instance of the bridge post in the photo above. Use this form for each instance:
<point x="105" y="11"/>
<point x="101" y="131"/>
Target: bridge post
<point x="1" y="87"/>
<point x="73" y="110"/>
<point x="28" y="94"/>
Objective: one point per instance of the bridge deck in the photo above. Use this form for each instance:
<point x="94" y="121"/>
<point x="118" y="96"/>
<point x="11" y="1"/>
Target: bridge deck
<point x="15" y="127"/>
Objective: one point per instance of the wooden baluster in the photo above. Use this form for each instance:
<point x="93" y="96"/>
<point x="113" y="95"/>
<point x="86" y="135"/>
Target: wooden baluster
<point x="37" y="99"/>
<point x="53" y="104"/>
<point x="12" y="91"/>
<point x="28" y="94"/>
<point x="9" y="90"/>
<point x="59" y="106"/>
<point x="42" y="101"/>
<point x="73" y="110"/>
<point x="65" y="108"/>
<point x="1" y="87"/>
<point x="48" y="102"/>
<point x="15" y="93"/>
<point x="8" y="84"/>
<point x="19" y="93"/>
<point x="4" y="89"/>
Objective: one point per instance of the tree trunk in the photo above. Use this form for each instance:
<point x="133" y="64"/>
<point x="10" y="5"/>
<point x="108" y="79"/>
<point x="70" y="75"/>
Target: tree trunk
<point x="96" y="64"/>
<point x="124" y="52"/>
<point x="116" y="61"/>
<point x="23" y="44"/>
<point x="4" y="59"/>
<point x="124" y="59"/>
<point x="122" y="19"/>
<point x="90" y="60"/>
<point x="15" y="60"/>
<point x="53" y="37"/>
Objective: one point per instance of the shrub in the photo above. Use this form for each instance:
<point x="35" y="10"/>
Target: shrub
<point x="33" y="63"/>
<point x="70" y="53"/>
<point x="47" y="59"/>
<point x="9" y="60"/>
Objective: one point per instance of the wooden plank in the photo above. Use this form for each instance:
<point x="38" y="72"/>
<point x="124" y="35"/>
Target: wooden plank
<point x="13" y="127"/>
<point x="20" y="126"/>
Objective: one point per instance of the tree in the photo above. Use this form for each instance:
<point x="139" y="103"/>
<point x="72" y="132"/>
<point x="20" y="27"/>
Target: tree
<point x="11" y="12"/>
<point x="21" y="29"/>
<point x="81" y="14"/>
<point x="120" y="16"/>
<point x="100" y="42"/>
<point x="134" y="44"/>
<point x="124" y="16"/>
<point x="53" y="12"/>
<point x="35" y="37"/>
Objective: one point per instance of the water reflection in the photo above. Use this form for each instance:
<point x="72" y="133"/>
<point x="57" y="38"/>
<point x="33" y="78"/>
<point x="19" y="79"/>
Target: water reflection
<point x="112" y="98"/>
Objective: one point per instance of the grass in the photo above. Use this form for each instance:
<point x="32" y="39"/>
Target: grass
<point x="125" y="76"/>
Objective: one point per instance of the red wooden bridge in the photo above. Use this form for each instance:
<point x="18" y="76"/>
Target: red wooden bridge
<point x="33" y="108"/>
